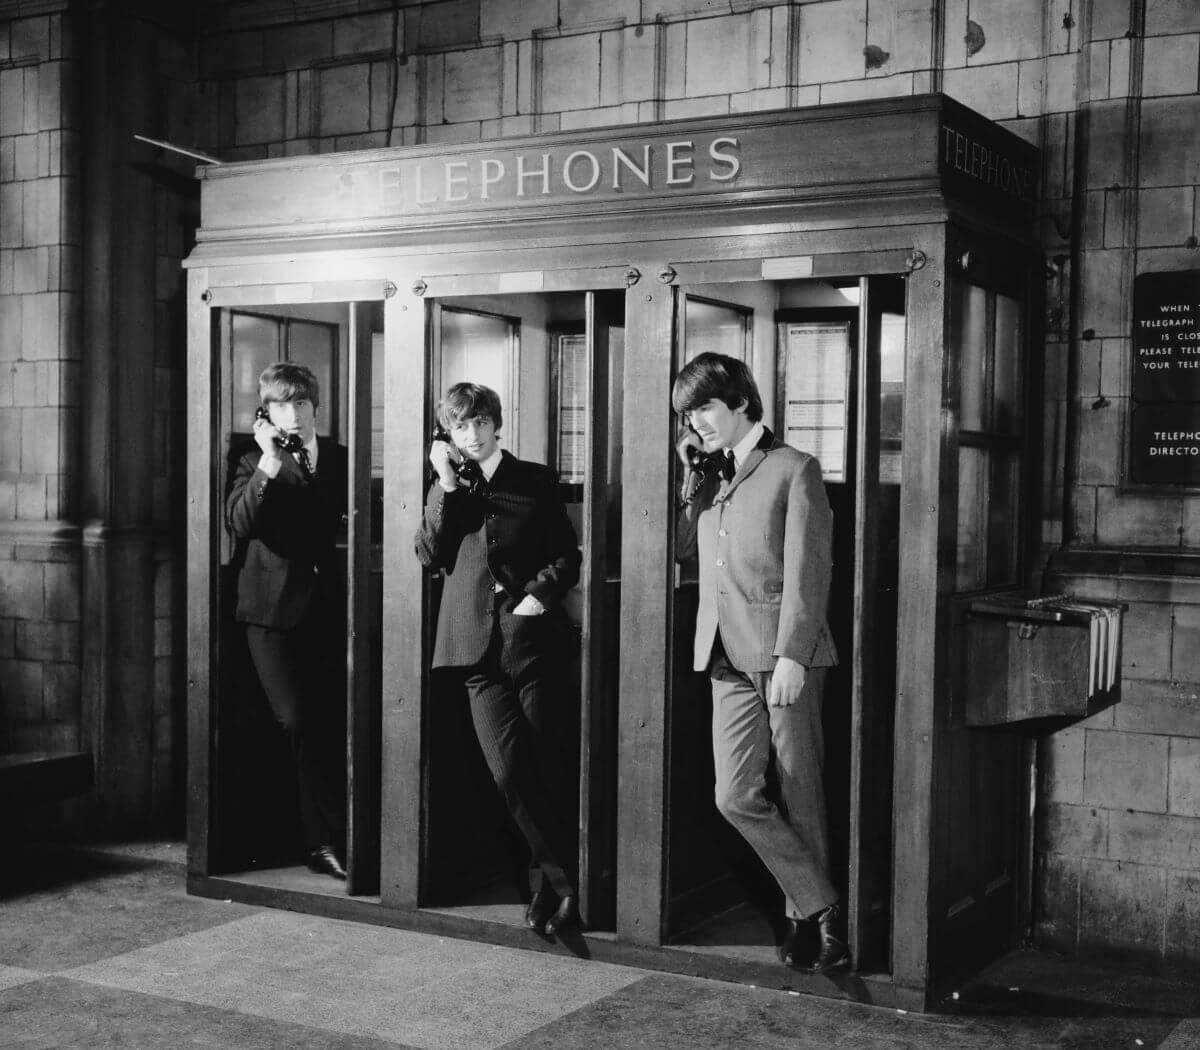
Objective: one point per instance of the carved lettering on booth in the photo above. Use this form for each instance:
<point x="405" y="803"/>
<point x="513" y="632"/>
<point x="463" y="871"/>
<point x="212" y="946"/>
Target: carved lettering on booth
<point x="969" y="156"/>
<point x="679" y="164"/>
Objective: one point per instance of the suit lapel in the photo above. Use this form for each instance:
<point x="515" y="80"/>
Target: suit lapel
<point x="757" y="455"/>
<point x="290" y="466"/>
<point x="503" y="469"/>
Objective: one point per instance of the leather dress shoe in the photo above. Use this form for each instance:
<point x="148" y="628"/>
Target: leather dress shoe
<point x="565" y="917"/>
<point x="799" y="944"/>
<point x="324" y="861"/>
<point x="834" y="952"/>
<point x="540" y="908"/>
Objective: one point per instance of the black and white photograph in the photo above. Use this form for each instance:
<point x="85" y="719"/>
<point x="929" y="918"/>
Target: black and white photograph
<point x="617" y="524"/>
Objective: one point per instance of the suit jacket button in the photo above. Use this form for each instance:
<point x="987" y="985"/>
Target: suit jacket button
<point x="720" y="563"/>
<point x="722" y="532"/>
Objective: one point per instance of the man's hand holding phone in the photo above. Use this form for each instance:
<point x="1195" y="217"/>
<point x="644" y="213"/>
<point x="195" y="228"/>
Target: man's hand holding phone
<point x="689" y="440"/>
<point x="267" y="437"/>
<point x="444" y="457"/>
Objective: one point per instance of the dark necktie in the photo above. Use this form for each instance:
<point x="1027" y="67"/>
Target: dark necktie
<point x="306" y="463"/>
<point x="728" y="466"/>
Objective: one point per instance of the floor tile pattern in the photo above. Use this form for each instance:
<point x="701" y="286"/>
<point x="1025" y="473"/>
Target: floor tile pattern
<point x="102" y="947"/>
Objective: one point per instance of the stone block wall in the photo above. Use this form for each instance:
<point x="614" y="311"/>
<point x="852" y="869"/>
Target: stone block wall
<point x="70" y="640"/>
<point x="472" y="70"/>
<point x="40" y="397"/>
<point x="1118" y="869"/>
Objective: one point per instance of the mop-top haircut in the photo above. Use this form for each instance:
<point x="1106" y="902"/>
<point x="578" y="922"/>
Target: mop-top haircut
<point x="469" y="401"/>
<point x="716" y="377"/>
<point x="287" y="381"/>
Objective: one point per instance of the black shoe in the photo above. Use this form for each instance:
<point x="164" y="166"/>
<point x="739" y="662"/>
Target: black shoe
<point x="565" y="917"/>
<point x="799" y="944"/>
<point x="831" y="925"/>
<point x="540" y="908"/>
<point x="324" y="861"/>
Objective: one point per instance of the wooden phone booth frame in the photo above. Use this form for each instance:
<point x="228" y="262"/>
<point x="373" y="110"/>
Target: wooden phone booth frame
<point x="910" y="187"/>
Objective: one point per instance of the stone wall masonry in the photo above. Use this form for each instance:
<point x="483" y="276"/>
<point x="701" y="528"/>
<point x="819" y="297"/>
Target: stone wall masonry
<point x="43" y="633"/>
<point x="672" y="59"/>
<point x="1122" y="907"/>
<point x="1171" y="65"/>
<point x="1183" y="917"/>
<point x="40" y="271"/>
<point x="1183" y="792"/>
<point x="1119" y="816"/>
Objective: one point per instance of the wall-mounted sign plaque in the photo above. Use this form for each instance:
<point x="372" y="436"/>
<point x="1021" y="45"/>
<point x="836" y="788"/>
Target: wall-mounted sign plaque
<point x="1164" y="444"/>
<point x="1164" y="432"/>
<point x="1166" y="337"/>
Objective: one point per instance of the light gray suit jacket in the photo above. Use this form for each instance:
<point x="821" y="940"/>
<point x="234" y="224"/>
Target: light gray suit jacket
<point x="765" y="546"/>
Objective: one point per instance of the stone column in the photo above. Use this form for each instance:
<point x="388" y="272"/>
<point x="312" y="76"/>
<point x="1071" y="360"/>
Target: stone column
<point x="40" y="348"/>
<point x="118" y="449"/>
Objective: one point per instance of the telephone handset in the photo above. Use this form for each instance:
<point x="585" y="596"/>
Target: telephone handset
<point x="288" y="442"/>
<point x="702" y="462"/>
<point x="701" y="466"/>
<point x="464" y="468"/>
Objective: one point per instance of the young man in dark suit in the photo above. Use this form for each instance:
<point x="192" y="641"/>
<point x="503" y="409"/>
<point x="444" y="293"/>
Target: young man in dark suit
<point x="286" y="509"/>
<point x="498" y="529"/>
<point x="760" y="521"/>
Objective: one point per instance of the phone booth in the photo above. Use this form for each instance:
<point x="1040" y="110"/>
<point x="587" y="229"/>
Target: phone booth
<point x="874" y="263"/>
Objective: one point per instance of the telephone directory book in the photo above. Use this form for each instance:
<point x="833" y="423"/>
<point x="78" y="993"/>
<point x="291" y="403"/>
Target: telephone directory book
<point x="1101" y="617"/>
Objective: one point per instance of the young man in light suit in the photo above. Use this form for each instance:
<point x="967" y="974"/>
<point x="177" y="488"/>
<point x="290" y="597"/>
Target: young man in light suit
<point x="761" y="524"/>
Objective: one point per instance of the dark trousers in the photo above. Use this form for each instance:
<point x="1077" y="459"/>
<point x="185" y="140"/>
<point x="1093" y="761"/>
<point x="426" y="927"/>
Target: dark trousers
<point x="515" y="697"/>
<point x="298" y="673"/>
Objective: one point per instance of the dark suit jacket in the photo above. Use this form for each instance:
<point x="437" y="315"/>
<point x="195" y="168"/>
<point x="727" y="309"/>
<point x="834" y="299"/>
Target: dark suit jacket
<point x="287" y="528"/>
<point x="514" y="531"/>
<point x="765" y="545"/>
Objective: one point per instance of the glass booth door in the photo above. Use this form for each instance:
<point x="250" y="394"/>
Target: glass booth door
<point x="828" y="356"/>
<point x="256" y="828"/>
<point x="555" y="359"/>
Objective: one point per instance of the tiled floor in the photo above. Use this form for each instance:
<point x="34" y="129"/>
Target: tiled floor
<point x="105" y="949"/>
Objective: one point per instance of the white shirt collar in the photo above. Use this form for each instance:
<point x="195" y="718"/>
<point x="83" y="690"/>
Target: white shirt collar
<point x="747" y="445"/>
<point x="489" y="465"/>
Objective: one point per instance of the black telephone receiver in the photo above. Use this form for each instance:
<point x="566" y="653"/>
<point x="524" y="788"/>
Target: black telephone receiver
<point x="699" y="461"/>
<point x="701" y="466"/>
<point x="289" y="442"/>
<point x="703" y="462"/>
<point x="464" y="468"/>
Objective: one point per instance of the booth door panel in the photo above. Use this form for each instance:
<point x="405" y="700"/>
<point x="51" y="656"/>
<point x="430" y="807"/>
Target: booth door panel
<point x="255" y="822"/>
<point x="819" y="351"/>
<point x="979" y="904"/>
<point x="364" y="535"/>
<point x="600" y="599"/>
<point x="550" y="357"/>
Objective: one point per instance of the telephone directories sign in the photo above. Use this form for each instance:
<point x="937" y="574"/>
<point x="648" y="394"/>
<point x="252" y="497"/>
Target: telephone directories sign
<point x="1165" y="425"/>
